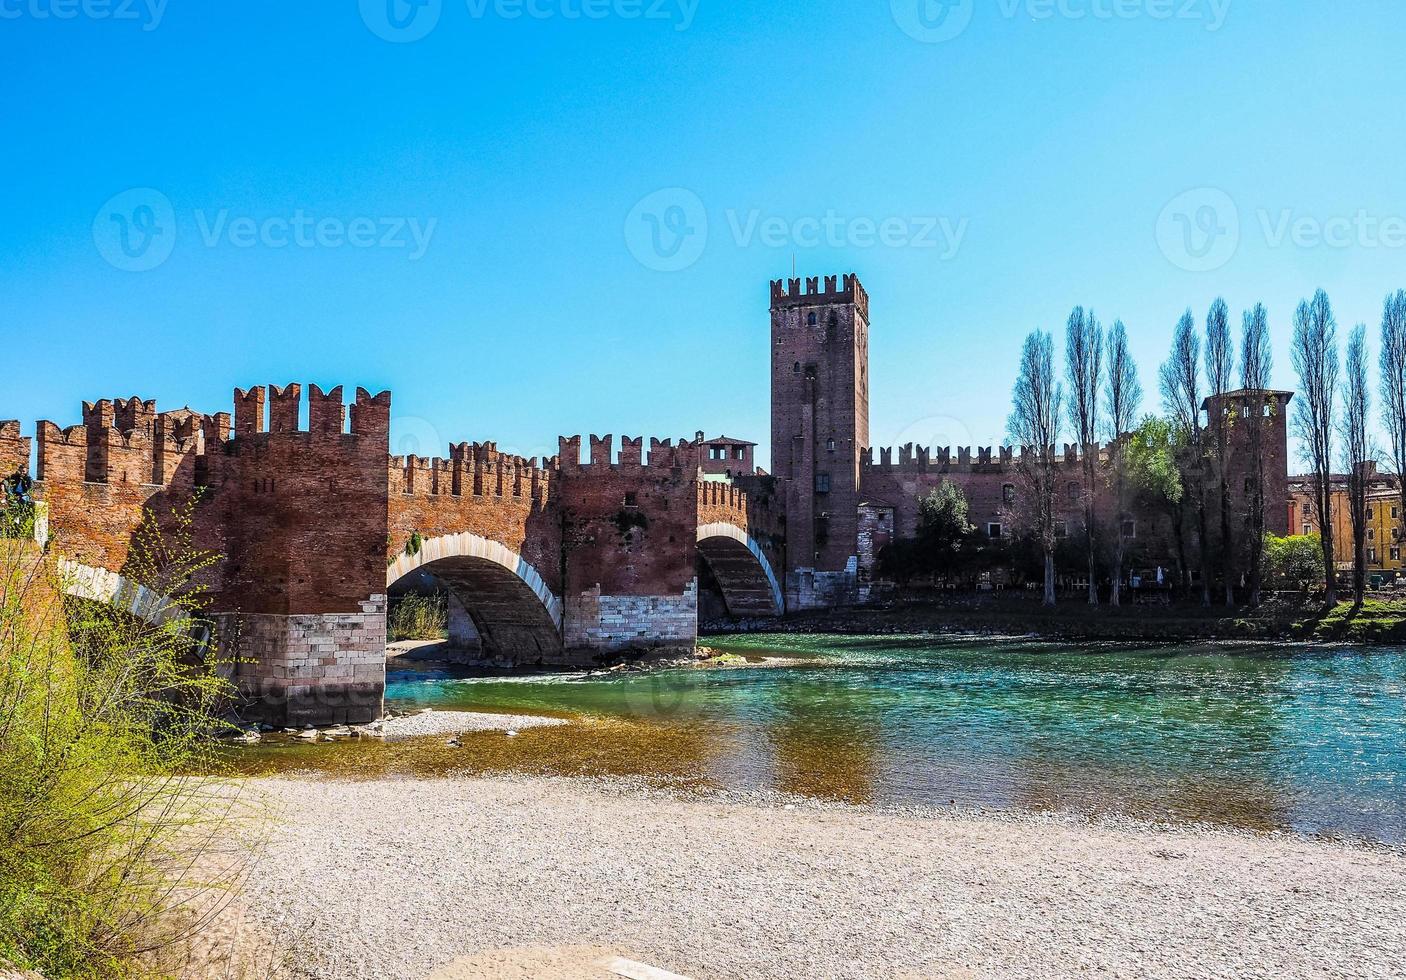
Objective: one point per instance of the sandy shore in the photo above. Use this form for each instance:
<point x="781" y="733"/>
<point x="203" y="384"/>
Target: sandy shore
<point x="539" y="877"/>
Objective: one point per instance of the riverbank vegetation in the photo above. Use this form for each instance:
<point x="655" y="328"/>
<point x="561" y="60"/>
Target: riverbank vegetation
<point x="418" y="617"/>
<point x="106" y="852"/>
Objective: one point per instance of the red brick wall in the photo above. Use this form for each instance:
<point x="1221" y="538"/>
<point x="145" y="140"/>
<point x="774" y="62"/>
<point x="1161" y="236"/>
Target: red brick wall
<point x="820" y="396"/>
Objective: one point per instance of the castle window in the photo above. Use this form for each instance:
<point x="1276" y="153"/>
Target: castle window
<point x="738" y="452"/>
<point x="822" y="483"/>
<point x="1075" y="490"/>
<point x="1061" y="529"/>
<point x="717" y="452"/>
<point x="830" y="445"/>
<point x="1130" y="529"/>
<point x="993" y="530"/>
<point x="796" y="368"/>
<point x="1008" y="494"/>
<point x="1268" y="411"/>
<point x="810" y="319"/>
<point x="632" y="499"/>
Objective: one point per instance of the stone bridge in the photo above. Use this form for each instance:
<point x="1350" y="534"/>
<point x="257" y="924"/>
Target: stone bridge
<point x="562" y="561"/>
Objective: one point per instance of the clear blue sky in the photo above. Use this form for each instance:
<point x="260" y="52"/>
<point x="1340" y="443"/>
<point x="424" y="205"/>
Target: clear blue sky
<point x="1049" y="144"/>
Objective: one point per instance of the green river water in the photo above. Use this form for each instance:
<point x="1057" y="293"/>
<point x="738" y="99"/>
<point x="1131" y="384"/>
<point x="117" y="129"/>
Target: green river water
<point x="1302" y="739"/>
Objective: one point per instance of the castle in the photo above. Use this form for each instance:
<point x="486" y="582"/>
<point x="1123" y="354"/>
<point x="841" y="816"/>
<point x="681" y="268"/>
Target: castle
<point x="558" y="561"/>
<point x="842" y="506"/>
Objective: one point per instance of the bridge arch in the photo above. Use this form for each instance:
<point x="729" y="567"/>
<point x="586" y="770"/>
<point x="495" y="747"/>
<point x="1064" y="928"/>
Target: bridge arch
<point x="113" y="589"/>
<point x="514" y="612"/>
<point x="745" y="576"/>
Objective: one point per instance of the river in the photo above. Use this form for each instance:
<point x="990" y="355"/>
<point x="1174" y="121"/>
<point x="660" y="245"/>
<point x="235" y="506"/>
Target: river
<point x="1301" y="739"/>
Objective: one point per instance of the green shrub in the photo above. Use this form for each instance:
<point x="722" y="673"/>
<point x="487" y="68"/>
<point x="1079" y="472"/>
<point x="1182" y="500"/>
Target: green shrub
<point x="103" y="839"/>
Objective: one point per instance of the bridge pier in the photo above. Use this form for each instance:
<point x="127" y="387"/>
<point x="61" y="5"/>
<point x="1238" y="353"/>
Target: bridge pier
<point x="312" y="669"/>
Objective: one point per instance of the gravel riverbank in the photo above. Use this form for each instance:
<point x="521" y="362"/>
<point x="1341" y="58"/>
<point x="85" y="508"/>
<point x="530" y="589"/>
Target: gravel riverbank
<point x="516" y="876"/>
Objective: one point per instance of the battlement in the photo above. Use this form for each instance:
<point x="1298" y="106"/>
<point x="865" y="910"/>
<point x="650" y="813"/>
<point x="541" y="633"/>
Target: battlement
<point x="969" y="459"/>
<point x="663" y="454"/>
<point x="277" y="411"/>
<point x="715" y="495"/>
<point x="14" y="448"/>
<point x="472" y="469"/>
<point x="847" y="289"/>
<point x="125" y="441"/>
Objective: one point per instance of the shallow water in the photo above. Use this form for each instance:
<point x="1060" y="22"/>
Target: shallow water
<point x="1302" y="739"/>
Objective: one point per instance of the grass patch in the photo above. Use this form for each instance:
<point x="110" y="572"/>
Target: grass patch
<point x="418" y="617"/>
<point x="1375" y="621"/>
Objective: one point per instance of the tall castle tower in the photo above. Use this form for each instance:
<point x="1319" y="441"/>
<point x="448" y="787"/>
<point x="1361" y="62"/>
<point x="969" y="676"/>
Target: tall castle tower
<point x="819" y="429"/>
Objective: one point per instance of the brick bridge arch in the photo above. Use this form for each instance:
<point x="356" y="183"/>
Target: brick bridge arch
<point x="514" y="611"/>
<point x="745" y="576"/>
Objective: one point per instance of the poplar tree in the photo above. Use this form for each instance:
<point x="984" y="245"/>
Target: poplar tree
<point x="1357" y="454"/>
<point x="1315" y="358"/>
<point x="1034" y="425"/>
<point x="1256" y="364"/>
<point x="1220" y="369"/>
<point x="1124" y="399"/>
<point x="1083" y="351"/>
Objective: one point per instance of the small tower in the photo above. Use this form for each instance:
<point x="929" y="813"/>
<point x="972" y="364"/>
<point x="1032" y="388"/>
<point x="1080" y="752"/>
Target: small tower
<point x="819" y="429"/>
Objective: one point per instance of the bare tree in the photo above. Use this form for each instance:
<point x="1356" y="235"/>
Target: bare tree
<point x="1220" y="369"/>
<point x="1357" y="454"/>
<point x="1256" y="365"/>
<point x="1315" y="359"/>
<point x="1393" y="362"/>
<point x="1034" y="425"/>
<point x="1083" y="351"/>
<point x="1181" y="396"/>
<point x="1124" y="401"/>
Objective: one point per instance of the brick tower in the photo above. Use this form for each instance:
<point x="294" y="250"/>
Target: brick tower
<point x="819" y="429"/>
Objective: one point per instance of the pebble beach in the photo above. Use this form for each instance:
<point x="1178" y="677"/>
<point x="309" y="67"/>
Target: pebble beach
<point x="555" y="877"/>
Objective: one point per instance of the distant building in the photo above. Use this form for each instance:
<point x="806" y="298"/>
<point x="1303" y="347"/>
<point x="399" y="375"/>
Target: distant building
<point x="725" y="456"/>
<point x="1385" y="529"/>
